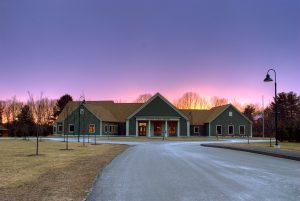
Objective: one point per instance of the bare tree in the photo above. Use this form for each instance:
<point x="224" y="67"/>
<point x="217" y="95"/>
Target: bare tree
<point x="216" y="101"/>
<point x="237" y="104"/>
<point x="2" y="106"/>
<point x="191" y="100"/>
<point x="37" y="108"/>
<point x="143" y="98"/>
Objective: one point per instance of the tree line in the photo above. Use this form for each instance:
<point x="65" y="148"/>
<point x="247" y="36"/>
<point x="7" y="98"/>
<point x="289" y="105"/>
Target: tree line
<point x="33" y="117"/>
<point x="36" y="116"/>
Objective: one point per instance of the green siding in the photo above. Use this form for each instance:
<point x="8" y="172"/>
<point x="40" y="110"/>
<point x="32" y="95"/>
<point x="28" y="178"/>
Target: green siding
<point x="85" y="119"/>
<point x="236" y="120"/>
<point x="158" y="108"/>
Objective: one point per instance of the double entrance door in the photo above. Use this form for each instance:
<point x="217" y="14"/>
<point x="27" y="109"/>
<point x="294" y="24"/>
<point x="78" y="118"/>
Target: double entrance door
<point x="142" y="126"/>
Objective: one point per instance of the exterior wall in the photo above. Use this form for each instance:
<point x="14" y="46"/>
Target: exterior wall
<point x="158" y="108"/>
<point x="108" y="132"/>
<point x="85" y="119"/>
<point x="236" y="120"/>
<point x="202" y="130"/>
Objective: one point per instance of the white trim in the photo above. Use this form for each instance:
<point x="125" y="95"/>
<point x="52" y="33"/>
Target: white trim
<point x="100" y="128"/>
<point x="70" y="129"/>
<point x="149" y="128"/>
<point x="94" y="128"/>
<point x="188" y="128"/>
<point x="217" y="130"/>
<point x="240" y="129"/>
<point x="106" y="130"/>
<point x="178" y="128"/>
<point x="209" y="129"/>
<point x="166" y="129"/>
<point x="60" y="130"/>
<point x="232" y="130"/>
<point x="54" y="129"/>
<point x="127" y="127"/>
<point x="234" y="109"/>
<point x="251" y="130"/>
<point x="198" y="129"/>
<point x="136" y="128"/>
<point x="151" y="99"/>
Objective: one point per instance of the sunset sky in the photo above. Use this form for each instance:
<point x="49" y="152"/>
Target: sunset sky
<point x="117" y="49"/>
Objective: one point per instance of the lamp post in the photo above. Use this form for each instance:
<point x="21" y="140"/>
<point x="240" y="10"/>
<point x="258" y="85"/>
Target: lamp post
<point x="269" y="79"/>
<point x="80" y="112"/>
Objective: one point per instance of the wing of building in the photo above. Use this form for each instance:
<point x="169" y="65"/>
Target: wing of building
<point x="155" y="118"/>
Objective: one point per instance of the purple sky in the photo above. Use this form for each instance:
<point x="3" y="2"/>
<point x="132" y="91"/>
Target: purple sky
<point x="116" y="49"/>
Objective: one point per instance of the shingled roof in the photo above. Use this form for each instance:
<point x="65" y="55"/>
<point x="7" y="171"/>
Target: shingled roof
<point x="200" y="117"/>
<point x="104" y="110"/>
<point x="119" y="112"/>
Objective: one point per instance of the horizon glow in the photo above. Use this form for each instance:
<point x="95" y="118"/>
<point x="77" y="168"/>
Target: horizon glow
<point x="116" y="50"/>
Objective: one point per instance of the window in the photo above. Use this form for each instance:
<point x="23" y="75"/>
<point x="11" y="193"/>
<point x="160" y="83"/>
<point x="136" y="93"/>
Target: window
<point x="92" y="128"/>
<point x="71" y="128"/>
<point x="242" y="130"/>
<point x="110" y="128"/>
<point x="196" y="129"/>
<point x="230" y="130"/>
<point x="106" y="128"/>
<point x="60" y="128"/>
<point x="219" y="130"/>
<point x="230" y="114"/>
<point x="54" y="129"/>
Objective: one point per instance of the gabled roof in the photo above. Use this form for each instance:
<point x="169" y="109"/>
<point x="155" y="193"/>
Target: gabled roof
<point x="103" y="110"/>
<point x="216" y="111"/>
<point x="119" y="112"/>
<point x="164" y="99"/>
<point x="200" y="117"/>
<point x="196" y="117"/>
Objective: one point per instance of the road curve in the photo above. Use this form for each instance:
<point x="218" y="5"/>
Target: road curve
<point x="186" y="172"/>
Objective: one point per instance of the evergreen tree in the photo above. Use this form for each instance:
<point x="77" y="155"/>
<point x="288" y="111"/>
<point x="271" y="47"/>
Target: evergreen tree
<point x="25" y="123"/>
<point x="61" y="103"/>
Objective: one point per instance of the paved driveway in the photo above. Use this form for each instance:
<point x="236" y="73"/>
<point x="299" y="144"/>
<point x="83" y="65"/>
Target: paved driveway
<point x="186" y="171"/>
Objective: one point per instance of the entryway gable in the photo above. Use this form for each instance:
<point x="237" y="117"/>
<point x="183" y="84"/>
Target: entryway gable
<point x="158" y="106"/>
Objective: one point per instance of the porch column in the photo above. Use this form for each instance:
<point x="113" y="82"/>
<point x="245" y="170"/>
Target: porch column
<point x="63" y="130"/>
<point x="166" y="128"/>
<point x="127" y="127"/>
<point x="100" y="133"/>
<point x="178" y="128"/>
<point x="188" y="128"/>
<point x="149" y="128"/>
<point x="136" y="128"/>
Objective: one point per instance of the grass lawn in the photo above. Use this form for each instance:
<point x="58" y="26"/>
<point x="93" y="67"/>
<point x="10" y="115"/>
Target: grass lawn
<point x="293" y="146"/>
<point x="56" y="174"/>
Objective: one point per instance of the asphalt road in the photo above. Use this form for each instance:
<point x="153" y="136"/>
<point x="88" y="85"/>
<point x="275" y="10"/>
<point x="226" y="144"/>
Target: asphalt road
<point x="186" y="171"/>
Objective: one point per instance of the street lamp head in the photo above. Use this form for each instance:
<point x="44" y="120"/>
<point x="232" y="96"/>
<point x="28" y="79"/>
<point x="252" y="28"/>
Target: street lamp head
<point x="268" y="78"/>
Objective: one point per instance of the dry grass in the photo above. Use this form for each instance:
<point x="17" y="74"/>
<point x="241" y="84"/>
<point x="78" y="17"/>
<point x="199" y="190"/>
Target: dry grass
<point x="292" y="146"/>
<point x="56" y="174"/>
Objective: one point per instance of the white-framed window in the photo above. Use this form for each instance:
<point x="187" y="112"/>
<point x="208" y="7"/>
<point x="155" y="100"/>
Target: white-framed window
<point x="230" y="129"/>
<point x="54" y="129"/>
<point x="71" y="128"/>
<point x="110" y="128"/>
<point x="219" y="129"/>
<point x="242" y="129"/>
<point x="106" y="128"/>
<point x="230" y="114"/>
<point x="196" y="129"/>
<point x="92" y="128"/>
<point x="60" y="128"/>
